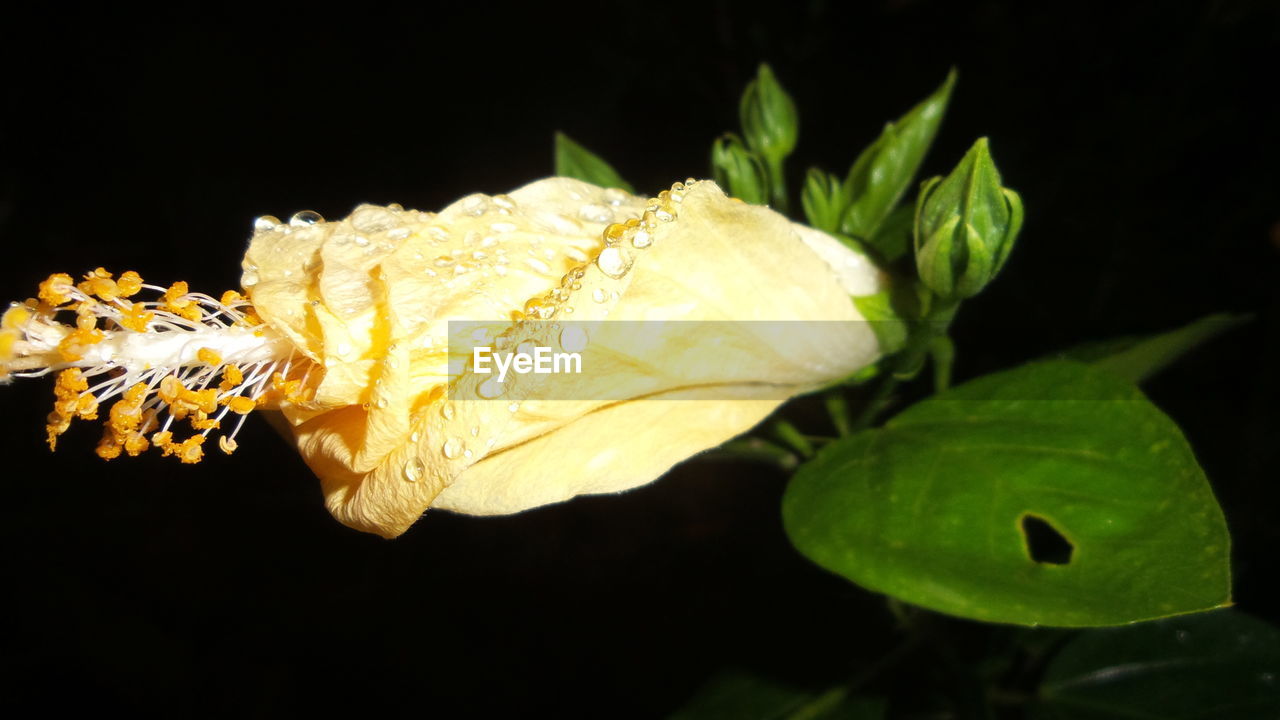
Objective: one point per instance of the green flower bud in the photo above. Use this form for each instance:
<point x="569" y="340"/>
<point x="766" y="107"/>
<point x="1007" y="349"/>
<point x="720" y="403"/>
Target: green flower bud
<point x="768" y="116"/>
<point x="739" y="170"/>
<point x="823" y="200"/>
<point x="965" y="226"/>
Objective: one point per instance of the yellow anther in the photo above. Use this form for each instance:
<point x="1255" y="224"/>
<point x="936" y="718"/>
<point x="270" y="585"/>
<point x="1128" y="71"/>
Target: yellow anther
<point x="109" y="447"/>
<point x="205" y="401"/>
<point x="99" y="283"/>
<point x="231" y="297"/>
<point x="129" y="283"/>
<point x="176" y="302"/>
<point x="200" y="420"/>
<point x="189" y="451"/>
<point x="87" y="407"/>
<point x="135" y="444"/>
<point x="56" y="288"/>
<point x="86" y="318"/>
<point x="226" y="444"/>
<point x="7" y="339"/>
<point x="136" y="317"/>
<point x="209" y="356"/>
<point x="57" y="424"/>
<point x="170" y="389"/>
<point x="174" y="295"/>
<point x="241" y="405"/>
<point x="77" y="342"/>
<point x="231" y="377"/>
<point x="162" y="439"/>
<point x="15" y="317"/>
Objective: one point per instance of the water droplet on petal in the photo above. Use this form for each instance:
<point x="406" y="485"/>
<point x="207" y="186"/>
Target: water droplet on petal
<point x="599" y="295"/>
<point x="250" y="277"/>
<point x="362" y="241"/>
<point x="475" y="431"/>
<point x="447" y="411"/>
<point x="513" y="406"/>
<point x="615" y="196"/>
<point x="415" y="436"/>
<point x="304" y="218"/>
<point x="452" y="448"/>
<point x="490" y="388"/>
<point x="642" y="239"/>
<point x="266" y="223"/>
<point x="343" y="349"/>
<point x="475" y="205"/>
<point x="414" y="468"/>
<point x="614" y="262"/>
<point x="596" y="213"/>
<point x="538" y="265"/>
<point x="381" y="403"/>
<point x="502" y="227"/>
<point x="573" y="338"/>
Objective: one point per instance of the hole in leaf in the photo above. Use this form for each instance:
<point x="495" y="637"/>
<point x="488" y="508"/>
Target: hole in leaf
<point x="1044" y="543"/>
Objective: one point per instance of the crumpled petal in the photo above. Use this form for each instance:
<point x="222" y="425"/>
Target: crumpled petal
<point x="394" y="429"/>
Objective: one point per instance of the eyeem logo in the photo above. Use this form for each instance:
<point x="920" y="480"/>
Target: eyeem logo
<point x="539" y="361"/>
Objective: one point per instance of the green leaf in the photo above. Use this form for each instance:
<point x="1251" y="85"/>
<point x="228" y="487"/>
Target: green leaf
<point x="1139" y="358"/>
<point x="881" y="174"/>
<point x="893" y="239"/>
<point x="738" y="694"/>
<point x="946" y="505"/>
<point x="1215" y="666"/>
<point x="735" y="694"/>
<point x="575" y="161"/>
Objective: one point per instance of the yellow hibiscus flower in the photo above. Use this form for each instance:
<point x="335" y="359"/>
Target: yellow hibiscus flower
<point x="349" y="330"/>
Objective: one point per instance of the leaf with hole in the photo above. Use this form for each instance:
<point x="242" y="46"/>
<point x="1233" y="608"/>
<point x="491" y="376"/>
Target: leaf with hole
<point x="1212" y="666"/>
<point x="1050" y="494"/>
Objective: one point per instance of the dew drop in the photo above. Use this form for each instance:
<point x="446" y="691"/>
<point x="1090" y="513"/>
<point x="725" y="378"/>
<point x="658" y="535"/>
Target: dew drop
<point x="452" y="448"/>
<point x="466" y="453"/>
<point x="503" y="227"/>
<point x="599" y="295"/>
<point x="504" y="201"/>
<point x="615" y="196"/>
<point x="596" y="213"/>
<point x="266" y="223"/>
<point x="614" y="262"/>
<point x="414" y="468"/>
<point x="250" y="277"/>
<point x="362" y="241"/>
<point x="475" y="205"/>
<point x="447" y="411"/>
<point x="381" y="403"/>
<point x="513" y="407"/>
<point x="642" y="239"/>
<point x="490" y="388"/>
<point x="538" y="265"/>
<point x="415" y="436"/>
<point x="475" y="431"/>
<point x="573" y="338"/>
<point x="304" y="218"/>
<point x="444" y="261"/>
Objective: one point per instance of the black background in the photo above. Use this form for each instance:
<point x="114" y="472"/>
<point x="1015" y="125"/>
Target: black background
<point x="1142" y="139"/>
